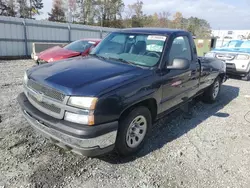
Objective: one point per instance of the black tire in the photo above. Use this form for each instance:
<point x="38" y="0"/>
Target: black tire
<point x="122" y="146"/>
<point x="209" y="95"/>
<point x="246" y="77"/>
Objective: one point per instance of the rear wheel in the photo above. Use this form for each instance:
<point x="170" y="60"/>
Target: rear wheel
<point x="133" y="131"/>
<point x="246" y="77"/>
<point x="212" y="93"/>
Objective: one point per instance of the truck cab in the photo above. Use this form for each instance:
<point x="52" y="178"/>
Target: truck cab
<point x="110" y="99"/>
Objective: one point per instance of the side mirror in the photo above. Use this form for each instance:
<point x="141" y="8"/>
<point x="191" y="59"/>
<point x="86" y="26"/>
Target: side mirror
<point x="179" y="64"/>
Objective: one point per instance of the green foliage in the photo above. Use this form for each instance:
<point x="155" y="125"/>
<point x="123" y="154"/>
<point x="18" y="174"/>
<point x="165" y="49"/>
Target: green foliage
<point x="57" y="13"/>
<point x="198" y="27"/>
<point x="136" y="18"/>
<point x="8" y="8"/>
<point x="20" y="8"/>
<point x="36" y="5"/>
<point x="24" y="9"/>
<point x="107" y="13"/>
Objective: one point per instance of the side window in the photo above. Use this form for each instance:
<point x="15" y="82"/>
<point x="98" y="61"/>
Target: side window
<point x="180" y="49"/>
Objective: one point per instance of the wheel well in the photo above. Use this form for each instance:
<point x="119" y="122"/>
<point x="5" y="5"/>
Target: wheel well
<point x="149" y="103"/>
<point x="221" y="76"/>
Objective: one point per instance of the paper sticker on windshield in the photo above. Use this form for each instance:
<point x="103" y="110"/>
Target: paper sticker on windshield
<point x="91" y="42"/>
<point x="156" y="37"/>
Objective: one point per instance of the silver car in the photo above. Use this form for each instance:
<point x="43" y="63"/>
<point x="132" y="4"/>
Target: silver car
<point x="236" y="54"/>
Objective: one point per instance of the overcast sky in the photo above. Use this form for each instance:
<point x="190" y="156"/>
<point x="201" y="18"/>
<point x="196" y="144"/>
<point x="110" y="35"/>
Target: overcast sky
<point x="221" y="14"/>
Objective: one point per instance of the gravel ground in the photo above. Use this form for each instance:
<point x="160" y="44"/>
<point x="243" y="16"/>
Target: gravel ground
<point x="210" y="150"/>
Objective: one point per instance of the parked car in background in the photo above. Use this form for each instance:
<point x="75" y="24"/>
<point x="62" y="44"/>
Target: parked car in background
<point x="110" y="99"/>
<point x="76" y="48"/>
<point x="236" y="54"/>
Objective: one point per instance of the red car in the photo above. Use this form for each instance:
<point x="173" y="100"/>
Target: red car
<point x="76" y="48"/>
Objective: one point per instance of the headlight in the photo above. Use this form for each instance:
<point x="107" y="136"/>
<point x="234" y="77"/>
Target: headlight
<point x="86" y="119"/>
<point x="50" y="60"/>
<point x="210" y="54"/>
<point x="83" y="102"/>
<point x="25" y="78"/>
<point x="242" y="57"/>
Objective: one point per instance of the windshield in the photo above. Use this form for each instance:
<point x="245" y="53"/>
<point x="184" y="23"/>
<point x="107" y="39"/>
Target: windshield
<point x="79" y="46"/>
<point x="237" y="44"/>
<point x="138" y="49"/>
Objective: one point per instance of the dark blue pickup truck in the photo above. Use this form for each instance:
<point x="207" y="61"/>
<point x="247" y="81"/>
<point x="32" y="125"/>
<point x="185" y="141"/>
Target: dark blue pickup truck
<point x="110" y="99"/>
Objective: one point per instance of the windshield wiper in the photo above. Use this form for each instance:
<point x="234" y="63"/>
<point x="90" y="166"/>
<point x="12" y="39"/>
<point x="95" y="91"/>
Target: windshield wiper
<point x="115" y="59"/>
<point x="121" y="60"/>
<point x="98" y="56"/>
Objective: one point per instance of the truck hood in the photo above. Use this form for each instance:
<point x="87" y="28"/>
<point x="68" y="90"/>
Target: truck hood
<point x="57" y="53"/>
<point x="86" y="76"/>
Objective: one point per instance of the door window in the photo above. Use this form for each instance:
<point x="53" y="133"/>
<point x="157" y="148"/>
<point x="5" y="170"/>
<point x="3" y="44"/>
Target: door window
<point x="180" y="49"/>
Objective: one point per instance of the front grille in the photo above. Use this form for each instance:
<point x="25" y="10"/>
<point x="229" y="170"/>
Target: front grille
<point x="225" y="56"/>
<point x="49" y="92"/>
<point x="230" y="66"/>
<point x="45" y="105"/>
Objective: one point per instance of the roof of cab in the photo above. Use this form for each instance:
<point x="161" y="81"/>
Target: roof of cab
<point x="159" y="31"/>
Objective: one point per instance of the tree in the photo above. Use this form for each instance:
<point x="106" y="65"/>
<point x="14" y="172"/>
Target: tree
<point x="20" y="8"/>
<point x="8" y="8"/>
<point x="136" y="22"/>
<point x="163" y="19"/>
<point x="86" y="11"/>
<point x="136" y="14"/>
<point x="35" y="7"/>
<point x="57" y="12"/>
<point x="151" y="20"/>
<point x="73" y="9"/>
<point x="23" y="9"/>
<point x="198" y="27"/>
<point x="136" y="9"/>
<point x="178" y="20"/>
<point x="109" y="12"/>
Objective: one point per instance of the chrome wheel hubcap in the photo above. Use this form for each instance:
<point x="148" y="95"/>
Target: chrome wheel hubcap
<point x="216" y="89"/>
<point x="136" y="131"/>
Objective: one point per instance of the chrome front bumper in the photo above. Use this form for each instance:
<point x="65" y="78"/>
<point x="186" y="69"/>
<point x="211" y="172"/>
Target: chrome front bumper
<point x="88" y="142"/>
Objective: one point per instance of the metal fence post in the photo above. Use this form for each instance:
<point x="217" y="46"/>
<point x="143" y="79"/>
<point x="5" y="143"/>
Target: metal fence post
<point x="25" y="38"/>
<point x="69" y="28"/>
<point x="100" y="33"/>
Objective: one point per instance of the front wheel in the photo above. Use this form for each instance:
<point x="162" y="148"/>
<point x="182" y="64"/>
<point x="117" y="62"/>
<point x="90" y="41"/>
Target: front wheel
<point x="211" y="94"/>
<point x="133" y="131"/>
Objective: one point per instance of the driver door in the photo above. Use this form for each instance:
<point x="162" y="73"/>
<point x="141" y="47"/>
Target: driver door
<point x="176" y="84"/>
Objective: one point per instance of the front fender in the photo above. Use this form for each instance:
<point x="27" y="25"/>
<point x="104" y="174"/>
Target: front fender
<point x="112" y="105"/>
<point x="136" y="99"/>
